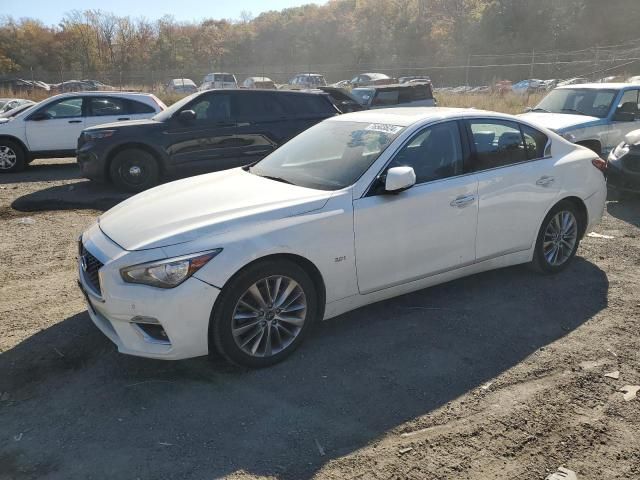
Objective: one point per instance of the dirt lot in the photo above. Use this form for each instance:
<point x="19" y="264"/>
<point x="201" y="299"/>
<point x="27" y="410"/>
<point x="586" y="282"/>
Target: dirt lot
<point x="497" y="376"/>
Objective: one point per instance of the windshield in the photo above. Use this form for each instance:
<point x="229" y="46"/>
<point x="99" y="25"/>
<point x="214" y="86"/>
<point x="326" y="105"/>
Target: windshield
<point x="168" y="113"/>
<point x="362" y="95"/>
<point x="578" y="101"/>
<point x="329" y="156"/>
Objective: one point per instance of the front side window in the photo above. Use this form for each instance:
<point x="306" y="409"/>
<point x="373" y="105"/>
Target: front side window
<point x="434" y="153"/>
<point x="363" y="95"/>
<point x="578" y="101"/>
<point x="65" y="108"/>
<point x="330" y="155"/>
<point x="629" y="102"/>
<point x="386" y="97"/>
<point x="212" y="108"/>
<point x="497" y="143"/>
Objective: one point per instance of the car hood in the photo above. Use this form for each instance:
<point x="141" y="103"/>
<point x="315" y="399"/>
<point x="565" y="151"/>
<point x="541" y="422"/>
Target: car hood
<point x="126" y="123"/>
<point x="560" y="121"/>
<point x="206" y="205"/>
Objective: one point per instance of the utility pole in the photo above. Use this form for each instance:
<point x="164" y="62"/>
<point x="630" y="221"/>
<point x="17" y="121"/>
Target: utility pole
<point x="533" y="61"/>
<point x="467" y="69"/>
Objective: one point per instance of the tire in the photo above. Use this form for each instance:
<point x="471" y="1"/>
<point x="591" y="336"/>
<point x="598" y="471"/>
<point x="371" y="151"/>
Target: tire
<point x="560" y="233"/>
<point x="134" y="170"/>
<point x="235" y="322"/>
<point x="12" y="157"/>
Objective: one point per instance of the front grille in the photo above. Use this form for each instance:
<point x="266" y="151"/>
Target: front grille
<point x="91" y="271"/>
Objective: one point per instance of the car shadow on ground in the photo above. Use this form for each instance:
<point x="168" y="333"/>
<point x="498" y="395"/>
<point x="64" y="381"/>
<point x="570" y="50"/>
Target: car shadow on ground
<point x="78" y="195"/>
<point x="64" y="169"/>
<point x="627" y="210"/>
<point x="82" y="410"/>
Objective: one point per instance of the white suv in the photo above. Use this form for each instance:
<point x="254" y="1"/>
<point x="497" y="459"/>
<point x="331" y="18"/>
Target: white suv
<point x="218" y="80"/>
<point x="52" y="127"/>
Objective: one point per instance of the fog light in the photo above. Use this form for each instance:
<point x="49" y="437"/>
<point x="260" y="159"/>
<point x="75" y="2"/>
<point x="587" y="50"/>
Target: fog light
<point x="151" y="329"/>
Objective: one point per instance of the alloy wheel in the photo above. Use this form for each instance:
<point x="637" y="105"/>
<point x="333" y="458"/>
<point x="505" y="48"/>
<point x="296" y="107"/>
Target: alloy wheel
<point x="269" y="316"/>
<point x="8" y="157"/>
<point x="560" y="238"/>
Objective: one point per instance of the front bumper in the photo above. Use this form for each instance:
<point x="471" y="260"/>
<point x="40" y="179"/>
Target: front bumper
<point x="124" y="312"/>
<point x="91" y="162"/>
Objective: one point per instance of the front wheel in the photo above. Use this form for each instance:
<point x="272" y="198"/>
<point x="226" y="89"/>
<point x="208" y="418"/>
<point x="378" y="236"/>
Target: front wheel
<point x="134" y="170"/>
<point x="558" y="239"/>
<point x="12" y="157"/>
<point x="264" y="313"/>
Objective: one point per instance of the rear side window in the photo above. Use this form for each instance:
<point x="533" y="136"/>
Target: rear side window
<point x="386" y="97"/>
<point x="134" y="107"/>
<point x="305" y="104"/>
<point x="256" y="105"/>
<point x="497" y="143"/>
<point x="534" y="141"/>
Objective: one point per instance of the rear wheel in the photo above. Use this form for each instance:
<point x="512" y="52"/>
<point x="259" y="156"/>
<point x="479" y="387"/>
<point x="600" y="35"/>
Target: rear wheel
<point x="12" y="157"/>
<point x="134" y="170"/>
<point x="264" y="313"/>
<point x="558" y="239"/>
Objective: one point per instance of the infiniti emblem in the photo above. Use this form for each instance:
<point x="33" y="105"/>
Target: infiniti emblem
<point x="83" y="263"/>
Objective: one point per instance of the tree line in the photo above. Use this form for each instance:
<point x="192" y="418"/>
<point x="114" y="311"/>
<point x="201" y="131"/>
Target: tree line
<point x="341" y="35"/>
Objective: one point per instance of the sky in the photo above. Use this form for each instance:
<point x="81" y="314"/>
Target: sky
<point x="52" y="11"/>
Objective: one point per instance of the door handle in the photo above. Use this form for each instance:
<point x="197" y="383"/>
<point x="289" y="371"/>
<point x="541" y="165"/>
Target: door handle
<point x="123" y="118"/>
<point x="545" y="181"/>
<point x="463" y="201"/>
<point x="75" y="121"/>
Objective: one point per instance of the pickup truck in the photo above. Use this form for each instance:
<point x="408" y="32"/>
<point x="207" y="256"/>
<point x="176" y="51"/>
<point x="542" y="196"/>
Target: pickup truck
<point x="595" y="115"/>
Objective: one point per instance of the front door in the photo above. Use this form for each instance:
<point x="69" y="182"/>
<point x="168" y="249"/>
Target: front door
<point x="208" y="142"/>
<point x="423" y="231"/>
<point x="56" y="126"/>
<point x="628" y="104"/>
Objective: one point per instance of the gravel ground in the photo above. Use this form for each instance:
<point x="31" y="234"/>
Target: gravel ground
<point x="496" y="376"/>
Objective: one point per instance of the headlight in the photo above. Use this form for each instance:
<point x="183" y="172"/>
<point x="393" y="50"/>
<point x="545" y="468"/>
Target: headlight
<point x="619" y="152"/>
<point x="167" y="273"/>
<point x="98" y="134"/>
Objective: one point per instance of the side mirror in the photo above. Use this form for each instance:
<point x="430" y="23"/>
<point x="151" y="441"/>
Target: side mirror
<point x="36" y="117"/>
<point x="399" y="179"/>
<point x="624" y="117"/>
<point x="187" y="116"/>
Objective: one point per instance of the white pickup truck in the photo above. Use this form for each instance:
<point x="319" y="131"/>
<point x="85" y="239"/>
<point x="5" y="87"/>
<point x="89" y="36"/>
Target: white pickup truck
<point x="596" y="115"/>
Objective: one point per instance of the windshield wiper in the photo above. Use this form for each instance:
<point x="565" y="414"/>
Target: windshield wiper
<point x="574" y="110"/>
<point x="277" y="179"/>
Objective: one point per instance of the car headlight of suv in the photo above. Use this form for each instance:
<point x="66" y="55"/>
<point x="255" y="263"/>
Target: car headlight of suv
<point x="167" y="273"/>
<point x="619" y="152"/>
<point x="98" y="134"/>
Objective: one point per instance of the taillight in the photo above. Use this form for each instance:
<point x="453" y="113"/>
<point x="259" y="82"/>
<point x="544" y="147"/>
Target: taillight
<point x="600" y="164"/>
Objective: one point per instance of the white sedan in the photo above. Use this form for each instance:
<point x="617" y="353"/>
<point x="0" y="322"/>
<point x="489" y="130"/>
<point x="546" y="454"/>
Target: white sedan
<point x="357" y="209"/>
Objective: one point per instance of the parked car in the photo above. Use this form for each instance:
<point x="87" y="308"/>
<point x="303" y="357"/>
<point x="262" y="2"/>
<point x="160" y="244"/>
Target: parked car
<point x="596" y="115"/>
<point x="357" y="209"/>
<point x="264" y="83"/>
<point x="342" y="84"/>
<point x="52" y="128"/>
<point x="369" y="79"/>
<point x="342" y="99"/>
<point x="218" y="80"/>
<point x="307" y="80"/>
<point x="414" y="79"/>
<point x="623" y="166"/>
<point x="81" y="86"/>
<point x="405" y="95"/>
<point x="7" y="104"/>
<point x="5" y="116"/>
<point x="528" y="86"/>
<point x="635" y="79"/>
<point x="573" y="81"/>
<point x="20" y="85"/>
<point x="213" y="130"/>
<point x="182" y="85"/>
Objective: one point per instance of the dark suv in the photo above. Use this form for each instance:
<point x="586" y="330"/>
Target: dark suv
<point x="207" y="131"/>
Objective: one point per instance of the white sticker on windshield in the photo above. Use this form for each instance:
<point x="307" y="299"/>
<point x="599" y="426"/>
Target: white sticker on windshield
<point x="384" y="127"/>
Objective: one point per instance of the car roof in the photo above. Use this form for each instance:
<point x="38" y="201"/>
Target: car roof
<point x="406" y="116"/>
<point x="601" y="86"/>
<point x="106" y="93"/>
<point x="378" y="75"/>
<point x="182" y="81"/>
<point x="391" y="86"/>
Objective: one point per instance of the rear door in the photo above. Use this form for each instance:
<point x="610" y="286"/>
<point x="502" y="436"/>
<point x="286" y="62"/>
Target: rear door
<point x="60" y="128"/>
<point x="517" y="184"/>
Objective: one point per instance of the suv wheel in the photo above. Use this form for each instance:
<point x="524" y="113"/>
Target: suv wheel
<point x="264" y="313"/>
<point x="134" y="170"/>
<point x="12" y="157"/>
